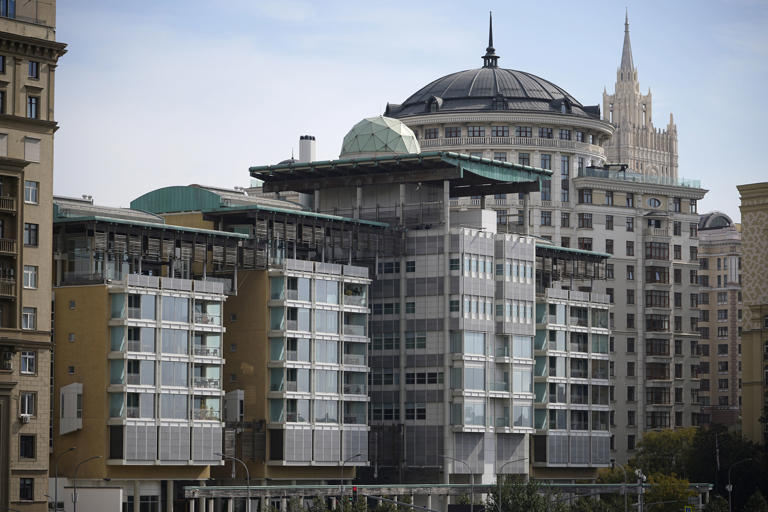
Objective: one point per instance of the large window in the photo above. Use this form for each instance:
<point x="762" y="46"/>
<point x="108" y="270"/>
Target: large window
<point x="28" y="403"/>
<point x="175" y="309"/>
<point x="29" y="318"/>
<point x="33" y="107"/>
<point x="455" y="131"/>
<point x="26" y="489"/>
<point x="656" y="251"/>
<point x="545" y="133"/>
<point x="26" y="447"/>
<point x="31" y="192"/>
<point x="34" y="69"/>
<point x="585" y="195"/>
<point x="523" y="131"/>
<point x="475" y="131"/>
<point x="31" y="234"/>
<point x="29" y="362"/>
<point x="30" y="276"/>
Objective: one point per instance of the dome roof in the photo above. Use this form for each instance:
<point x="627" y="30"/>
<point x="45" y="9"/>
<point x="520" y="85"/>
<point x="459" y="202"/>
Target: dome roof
<point x="491" y="88"/>
<point x="379" y="136"/>
<point x="714" y="220"/>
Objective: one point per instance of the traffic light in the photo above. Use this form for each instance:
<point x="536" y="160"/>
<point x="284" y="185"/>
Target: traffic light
<point x="354" y="493"/>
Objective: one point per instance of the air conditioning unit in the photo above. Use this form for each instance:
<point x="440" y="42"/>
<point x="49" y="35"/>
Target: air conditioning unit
<point x="24" y="418"/>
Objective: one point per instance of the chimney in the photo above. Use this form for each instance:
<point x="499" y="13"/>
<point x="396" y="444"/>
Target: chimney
<point x="307" y="148"/>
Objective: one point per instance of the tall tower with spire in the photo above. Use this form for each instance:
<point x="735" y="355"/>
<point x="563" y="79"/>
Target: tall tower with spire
<point x="636" y="142"/>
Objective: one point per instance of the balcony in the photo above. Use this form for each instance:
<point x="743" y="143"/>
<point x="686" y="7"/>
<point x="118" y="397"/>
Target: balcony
<point x="207" y="319"/>
<point x="134" y="346"/>
<point x="7" y="288"/>
<point x="354" y="419"/>
<point x="205" y="414"/>
<point x="134" y="312"/>
<point x="132" y="412"/>
<point x="7" y="246"/>
<point x="354" y="330"/>
<point x="355" y="300"/>
<point x="355" y="359"/>
<point x="133" y="379"/>
<point x="354" y="389"/>
<point x="7" y="204"/>
<point x="534" y="142"/>
<point x="206" y="383"/>
<point x="502" y="422"/>
<point x="656" y="232"/>
<point x="203" y="350"/>
<point x="291" y="385"/>
<point x="500" y="386"/>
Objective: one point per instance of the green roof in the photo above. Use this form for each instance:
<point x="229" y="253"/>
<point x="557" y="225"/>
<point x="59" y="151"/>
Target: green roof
<point x="149" y="225"/>
<point x="176" y="199"/>
<point x="553" y="247"/>
<point x="301" y="213"/>
<point x="380" y="134"/>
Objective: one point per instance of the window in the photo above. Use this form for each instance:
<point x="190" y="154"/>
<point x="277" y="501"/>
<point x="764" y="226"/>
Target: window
<point x="630" y="296"/>
<point x="630" y="200"/>
<point x="28" y="403"/>
<point x="501" y="157"/>
<point x="410" y="266"/>
<point x="31" y="192"/>
<point x="693" y="206"/>
<point x="630" y="248"/>
<point x="678" y="276"/>
<point x="585" y="220"/>
<point x="455" y="131"/>
<point x="524" y="158"/>
<point x="521" y="131"/>
<point x="33" y="107"/>
<point x="410" y="307"/>
<point x="631" y="442"/>
<point x="565" y="241"/>
<point x="34" y="69"/>
<point x="609" y="222"/>
<point x="630" y="272"/>
<point x="26" y="447"/>
<point x="26" y="489"/>
<point x="585" y="195"/>
<point x="546" y="218"/>
<point x="546" y="163"/>
<point x="545" y="133"/>
<point x="430" y="133"/>
<point x="630" y="223"/>
<point x="678" y="252"/>
<point x="657" y="251"/>
<point x="630" y="324"/>
<point x="2" y="102"/>
<point x="677" y="228"/>
<point x="30" y="234"/>
<point x="585" y="244"/>
<point x="694" y="253"/>
<point x="29" y="318"/>
<point x="475" y="131"/>
<point x="608" y="270"/>
<point x="693" y="230"/>
<point x="609" y="198"/>
<point x="2" y="62"/>
<point x="30" y="277"/>
<point x="609" y="246"/>
<point x="722" y="332"/>
<point x="565" y="134"/>
<point x="546" y="190"/>
<point x="28" y="362"/>
<point x="565" y="220"/>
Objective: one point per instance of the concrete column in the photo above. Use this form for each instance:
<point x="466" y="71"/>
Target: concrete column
<point x="231" y="505"/>
<point x="333" y="503"/>
<point x="283" y="504"/>
<point x="136" y="494"/>
<point x="429" y="501"/>
<point x="211" y="503"/>
<point x="526" y="213"/>
<point x="358" y="201"/>
<point x="482" y="202"/>
<point x="191" y="505"/>
<point x="201" y="504"/>
<point x="169" y="495"/>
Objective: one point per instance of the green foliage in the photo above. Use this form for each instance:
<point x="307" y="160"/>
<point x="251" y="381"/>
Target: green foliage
<point x="589" y="504"/>
<point x="667" y="493"/>
<point x="385" y="506"/>
<point x="295" y="504"/>
<point x="404" y="499"/>
<point x="318" y="505"/>
<point x="616" y="500"/>
<point x="756" y="503"/>
<point x="665" y="451"/>
<point x="516" y="495"/>
<point x="716" y="504"/>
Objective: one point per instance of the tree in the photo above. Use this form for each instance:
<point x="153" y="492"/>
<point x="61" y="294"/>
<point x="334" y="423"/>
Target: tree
<point x="667" y="493"/>
<point x="756" y="503"/>
<point x="515" y="495"/>
<point x="665" y="451"/>
<point x="318" y="505"/>
<point x="590" y="504"/>
<point x="616" y="476"/>
<point x="385" y="506"/>
<point x="295" y="504"/>
<point x="716" y="504"/>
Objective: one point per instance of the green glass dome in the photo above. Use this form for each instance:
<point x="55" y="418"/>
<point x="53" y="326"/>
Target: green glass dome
<point x="380" y="135"/>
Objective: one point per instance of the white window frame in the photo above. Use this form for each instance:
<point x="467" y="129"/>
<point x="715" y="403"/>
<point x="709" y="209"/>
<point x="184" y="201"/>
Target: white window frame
<point x="28" y="359"/>
<point x="31" y="192"/>
<point x="30" y="277"/>
<point x="29" y="319"/>
<point x="27" y="402"/>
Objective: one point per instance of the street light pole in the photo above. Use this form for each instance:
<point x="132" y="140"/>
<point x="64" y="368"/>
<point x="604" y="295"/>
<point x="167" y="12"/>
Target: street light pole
<point x="505" y="464"/>
<point x="640" y="480"/>
<point x="729" y="487"/>
<point x="56" y="478"/>
<point x="623" y="487"/>
<point x="341" y="477"/>
<point x="74" y="479"/>
<point x="247" y="477"/>
<point x="472" y="480"/>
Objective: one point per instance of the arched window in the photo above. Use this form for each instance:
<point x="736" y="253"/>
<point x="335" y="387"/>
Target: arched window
<point x="644" y="115"/>
<point x="433" y="106"/>
<point x="563" y="108"/>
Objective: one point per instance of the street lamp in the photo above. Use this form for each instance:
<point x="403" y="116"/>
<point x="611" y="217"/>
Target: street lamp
<point x="341" y="477"/>
<point x="74" y="479"/>
<point x="247" y="477"/>
<point x="472" y="480"/>
<point x="729" y="487"/>
<point x="505" y="464"/>
<point x="623" y="488"/>
<point x="56" y="477"/>
<point x="640" y="479"/>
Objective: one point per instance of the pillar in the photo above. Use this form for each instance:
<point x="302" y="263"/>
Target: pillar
<point x="169" y="495"/>
<point x="429" y="501"/>
<point x="191" y="504"/>
<point x="136" y="494"/>
<point x="201" y="504"/>
<point x="211" y="503"/>
<point x="231" y="505"/>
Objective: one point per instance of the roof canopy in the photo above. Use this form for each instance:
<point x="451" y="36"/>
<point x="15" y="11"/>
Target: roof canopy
<point x="468" y="175"/>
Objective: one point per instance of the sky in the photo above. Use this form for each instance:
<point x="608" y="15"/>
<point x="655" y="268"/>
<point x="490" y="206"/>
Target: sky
<point x="174" y="92"/>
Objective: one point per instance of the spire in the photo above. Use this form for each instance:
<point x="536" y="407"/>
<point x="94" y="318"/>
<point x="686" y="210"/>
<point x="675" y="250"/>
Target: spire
<point x="627" y="66"/>
<point x="490" y="59"/>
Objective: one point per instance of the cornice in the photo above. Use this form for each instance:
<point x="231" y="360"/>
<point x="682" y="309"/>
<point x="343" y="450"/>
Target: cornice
<point x="509" y="117"/>
<point x="34" y="125"/>
<point x="642" y="188"/>
<point x="31" y="46"/>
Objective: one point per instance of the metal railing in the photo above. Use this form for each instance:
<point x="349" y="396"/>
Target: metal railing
<point x="203" y="350"/>
<point x="354" y="389"/>
<point x="8" y="245"/>
<point x="8" y="203"/>
<point x="355" y="359"/>
<point x="207" y="319"/>
<point x="8" y="287"/>
<point x="134" y="312"/>
<point x="132" y="412"/>
<point x="133" y="378"/>
<point x="205" y="414"/>
<point x="355" y="330"/>
<point x="206" y="383"/>
<point x="500" y="386"/>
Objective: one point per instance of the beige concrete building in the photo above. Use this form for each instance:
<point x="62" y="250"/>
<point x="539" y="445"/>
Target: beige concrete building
<point x="720" y="319"/>
<point x="28" y="57"/>
<point x="637" y="142"/>
<point x="754" y="340"/>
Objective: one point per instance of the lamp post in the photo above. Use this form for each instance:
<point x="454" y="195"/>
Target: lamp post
<point x="729" y="487"/>
<point x="640" y="480"/>
<point x="623" y="488"/>
<point x="56" y="477"/>
<point x="341" y="476"/>
<point x="74" y="479"/>
<point x="472" y="480"/>
<point x="247" y="477"/>
<point x="505" y="464"/>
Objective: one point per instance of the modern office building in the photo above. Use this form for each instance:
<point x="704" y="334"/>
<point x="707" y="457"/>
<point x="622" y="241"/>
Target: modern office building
<point x="28" y="57"/>
<point x="720" y="320"/>
<point x="640" y="214"/>
<point x="637" y="142"/>
<point x="573" y="382"/>
<point x="754" y="339"/>
<point x="138" y="354"/>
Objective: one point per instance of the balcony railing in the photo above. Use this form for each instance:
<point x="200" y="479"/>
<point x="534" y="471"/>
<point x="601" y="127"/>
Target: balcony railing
<point x="500" y="386"/>
<point x="202" y="350"/>
<point x="512" y="141"/>
<point x="205" y="414"/>
<point x="354" y="420"/>
<point x="134" y="312"/>
<point x="7" y="204"/>
<point x="502" y="422"/>
<point x="8" y="245"/>
<point x="133" y="378"/>
<point x="354" y="389"/>
<point x="134" y="346"/>
<point x="7" y="287"/>
<point x="656" y="231"/>
<point x="355" y="300"/>
<point x="291" y="385"/>
<point x="203" y="382"/>
<point x="354" y="330"/>
<point x="207" y="319"/>
<point x="355" y="359"/>
<point x="132" y="412"/>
